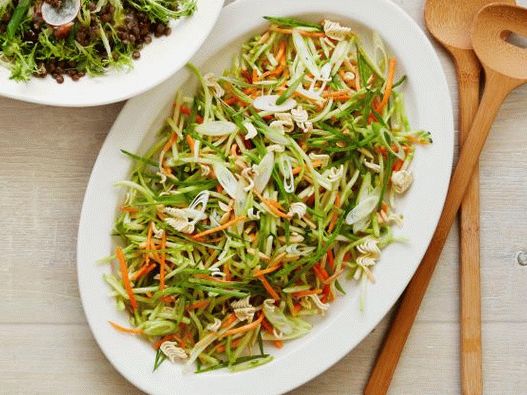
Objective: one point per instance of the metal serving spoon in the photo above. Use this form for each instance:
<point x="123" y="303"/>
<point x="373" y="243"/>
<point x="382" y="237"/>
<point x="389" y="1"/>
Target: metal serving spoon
<point x="62" y="15"/>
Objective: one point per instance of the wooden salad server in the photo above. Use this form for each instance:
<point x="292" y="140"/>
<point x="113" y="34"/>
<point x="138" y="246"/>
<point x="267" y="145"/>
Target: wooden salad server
<point x="450" y="22"/>
<point x="505" y="68"/>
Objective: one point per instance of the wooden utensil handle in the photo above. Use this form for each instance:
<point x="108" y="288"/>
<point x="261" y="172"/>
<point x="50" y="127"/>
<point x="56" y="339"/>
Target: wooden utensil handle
<point x="495" y="92"/>
<point x="468" y="73"/>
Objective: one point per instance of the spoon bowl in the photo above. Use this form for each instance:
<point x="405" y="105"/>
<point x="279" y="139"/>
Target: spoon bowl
<point x="450" y="22"/>
<point x="490" y="31"/>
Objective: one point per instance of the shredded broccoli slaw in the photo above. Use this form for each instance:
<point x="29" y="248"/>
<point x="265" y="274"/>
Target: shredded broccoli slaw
<point x="262" y="193"/>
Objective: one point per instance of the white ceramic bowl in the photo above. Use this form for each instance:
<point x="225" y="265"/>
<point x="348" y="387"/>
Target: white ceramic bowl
<point x="344" y="326"/>
<point x="158" y="61"/>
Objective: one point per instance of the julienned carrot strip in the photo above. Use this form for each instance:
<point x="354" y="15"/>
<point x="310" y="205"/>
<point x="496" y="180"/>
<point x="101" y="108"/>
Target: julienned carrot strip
<point x="199" y="304"/>
<point x="302" y="32"/>
<point x="245" y="328"/>
<point x="170" y="142"/>
<point x="162" y="262"/>
<point x="228" y="320"/>
<point x="135" y="331"/>
<point x="281" y="52"/>
<point x="333" y="222"/>
<point x="327" y="295"/>
<point x="342" y="98"/>
<point x="301" y="294"/>
<point x="124" y="275"/>
<point x="333" y="277"/>
<point x="143" y="271"/>
<point x="268" y="270"/>
<point x="231" y="100"/>
<point x="330" y="259"/>
<point x="267" y="326"/>
<point x="234" y="148"/>
<point x="235" y="343"/>
<point x="296" y="308"/>
<point x="278" y="343"/>
<point x="334" y="94"/>
<point x="185" y="110"/>
<point x="389" y="85"/>
<point x="272" y="293"/>
<point x="227" y="271"/>
<point x="274" y="203"/>
<point x="218" y="228"/>
<point x="276" y="71"/>
<point x="320" y="272"/>
<point x="245" y="74"/>
<point x="190" y="142"/>
<point x="128" y="209"/>
<point x="276" y="211"/>
<point x="298" y="169"/>
<point x="381" y="149"/>
<point x="398" y="165"/>
<point x="170" y="337"/>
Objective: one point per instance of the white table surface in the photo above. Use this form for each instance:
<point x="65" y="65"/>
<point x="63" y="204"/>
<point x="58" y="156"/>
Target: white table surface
<point x="45" y="344"/>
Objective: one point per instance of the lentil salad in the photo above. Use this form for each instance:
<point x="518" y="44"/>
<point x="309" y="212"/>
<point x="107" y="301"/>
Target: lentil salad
<point x="105" y="34"/>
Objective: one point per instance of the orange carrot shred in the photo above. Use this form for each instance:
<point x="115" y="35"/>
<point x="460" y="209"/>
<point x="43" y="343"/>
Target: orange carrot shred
<point x="389" y="86"/>
<point x="227" y="271"/>
<point x="190" y="142"/>
<point x="143" y="271"/>
<point x="128" y="209"/>
<point x="235" y="343"/>
<point x="333" y="277"/>
<point x="199" y="304"/>
<point x="334" y="94"/>
<point x="162" y="263"/>
<point x="308" y="292"/>
<point x="228" y="320"/>
<point x="330" y="259"/>
<point x="170" y="337"/>
<point x="185" y="110"/>
<point x="124" y="275"/>
<point x="218" y="228"/>
<point x="290" y="31"/>
<point x="245" y="328"/>
<point x="272" y="293"/>
<point x="170" y="142"/>
<point x="135" y="331"/>
<point x="268" y="270"/>
<point x="231" y="100"/>
<point x="398" y="165"/>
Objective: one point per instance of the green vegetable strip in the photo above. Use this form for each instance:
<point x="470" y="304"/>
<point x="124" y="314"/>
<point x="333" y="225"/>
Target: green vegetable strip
<point x="244" y="217"/>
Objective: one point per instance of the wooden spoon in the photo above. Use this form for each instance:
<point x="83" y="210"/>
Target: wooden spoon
<point x="450" y="22"/>
<point x="505" y="68"/>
